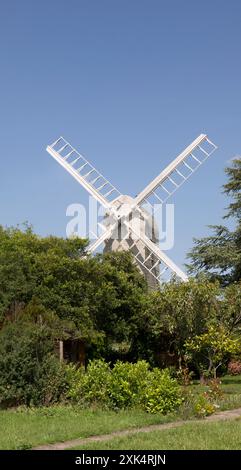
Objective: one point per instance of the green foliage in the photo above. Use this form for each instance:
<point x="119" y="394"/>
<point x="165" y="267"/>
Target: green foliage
<point x="219" y="255"/>
<point x="233" y="188"/>
<point x="210" y="349"/>
<point x="94" y="384"/>
<point x="74" y="377"/>
<point x="126" y="385"/>
<point x="128" y="382"/>
<point x="230" y="307"/>
<point x="162" y="393"/>
<point x="169" y="317"/>
<point x="203" y="406"/>
<point x="202" y="401"/>
<point x="95" y="299"/>
<point x="184" y="376"/>
<point x="30" y="373"/>
<point x="57" y="293"/>
<point x="25" y="261"/>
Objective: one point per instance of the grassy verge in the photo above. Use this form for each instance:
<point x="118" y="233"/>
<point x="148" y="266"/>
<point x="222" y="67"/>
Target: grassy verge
<point x="231" y="386"/>
<point x="224" y="435"/>
<point x="23" y="429"/>
<point x="26" y="428"/>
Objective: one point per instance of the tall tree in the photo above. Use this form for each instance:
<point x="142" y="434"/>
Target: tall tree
<point x="219" y="255"/>
<point x="95" y="298"/>
<point x="170" y="316"/>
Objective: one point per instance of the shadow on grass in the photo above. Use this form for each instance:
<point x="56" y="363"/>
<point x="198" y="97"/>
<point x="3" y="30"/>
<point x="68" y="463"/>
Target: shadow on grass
<point x="231" y="380"/>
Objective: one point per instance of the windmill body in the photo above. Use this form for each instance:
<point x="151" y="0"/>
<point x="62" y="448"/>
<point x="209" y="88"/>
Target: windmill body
<point x="129" y="223"/>
<point x="121" y="239"/>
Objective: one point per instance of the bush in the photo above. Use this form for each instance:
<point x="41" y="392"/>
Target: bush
<point x="214" y="391"/>
<point x="51" y="385"/>
<point x="95" y="383"/>
<point x="184" y="376"/>
<point x="92" y="386"/>
<point x="74" y="377"/>
<point x="162" y="393"/>
<point x="203" y="406"/>
<point x="234" y="368"/>
<point x="30" y="373"/>
<point x="205" y="403"/>
<point x="126" y="385"/>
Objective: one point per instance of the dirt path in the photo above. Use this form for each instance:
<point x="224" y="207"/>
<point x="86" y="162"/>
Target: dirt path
<point x="221" y="416"/>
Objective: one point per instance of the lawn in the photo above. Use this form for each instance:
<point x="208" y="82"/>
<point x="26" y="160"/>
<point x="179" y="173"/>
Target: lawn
<point x="225" y="435"/>
<point x="25" y="428"/>
<point x="231" y="386"/>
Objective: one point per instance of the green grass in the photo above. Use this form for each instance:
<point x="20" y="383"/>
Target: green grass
<point x="23" y="429"/>
<point x="225" y="435"/>
<point x="26" y="428"/>
<point x="231" y="386"/>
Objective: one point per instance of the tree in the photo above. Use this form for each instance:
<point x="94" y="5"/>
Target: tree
<point x="94" y="298"/>
<point x="230" y="308"/>
<point x="210" y="349"/>
<point x="116" y="299"/>
<point x="23" y="258"/>
<point x="233" y="189"/>
<point x="30" y="371"/>
<point x="168" y="317"/>
<point x="219" y="255"/>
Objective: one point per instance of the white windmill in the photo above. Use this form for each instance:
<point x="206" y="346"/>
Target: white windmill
<point x="154" y="263"/>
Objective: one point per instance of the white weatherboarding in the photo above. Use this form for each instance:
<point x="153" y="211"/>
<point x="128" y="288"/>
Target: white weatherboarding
<point x="123" y="209"/>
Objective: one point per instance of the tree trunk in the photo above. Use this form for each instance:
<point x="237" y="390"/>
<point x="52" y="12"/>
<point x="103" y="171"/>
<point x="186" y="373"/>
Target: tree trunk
<point x="61" y="351"/>
<point x="210" y="366"/>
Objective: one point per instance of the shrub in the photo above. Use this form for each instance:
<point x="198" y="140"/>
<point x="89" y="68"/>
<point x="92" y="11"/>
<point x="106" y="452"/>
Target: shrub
<point x="214" y="391"/>
<point x="51" y="385"/>
<point x="30" y="373"/>
<point x="126" y="385"/>
<point x="184" y="376"/>
<point x="162" y="393"/>
<point x="234" y="368"/>
<point x="92" y="387"/>
<point x="127" y="382"/>
<point x="203" y="406"/>
<point x="74" y="378"/>
<point x="186" y="409"/>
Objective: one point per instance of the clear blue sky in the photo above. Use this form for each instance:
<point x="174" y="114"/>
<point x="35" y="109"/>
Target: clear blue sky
<point x="130" y="83"/>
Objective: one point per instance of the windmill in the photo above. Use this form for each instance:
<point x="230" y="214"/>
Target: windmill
<point x="125" y="211"/>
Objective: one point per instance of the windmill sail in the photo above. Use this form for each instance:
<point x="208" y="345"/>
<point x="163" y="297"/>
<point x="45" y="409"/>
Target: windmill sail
<point x="77" y="165"/>
<point x="144" y="248"/>
<point x="170" y="179"/>
<point x="149" y="255"/>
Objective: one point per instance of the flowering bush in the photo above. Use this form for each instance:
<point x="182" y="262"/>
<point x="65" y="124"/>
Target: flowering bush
<point x="184" y="376"/>
<point x="214" y="391"/>
<point x="203" y="406"/>
<point x="234" y="368"/>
